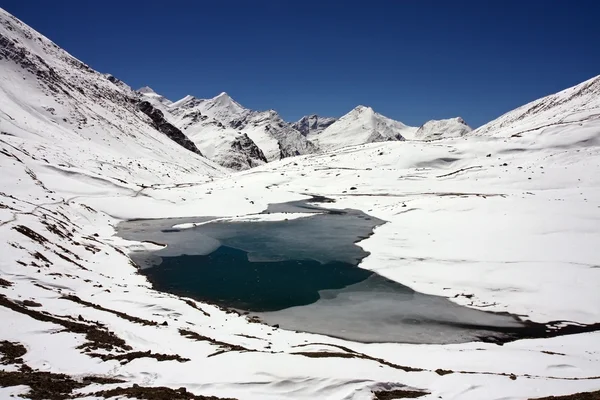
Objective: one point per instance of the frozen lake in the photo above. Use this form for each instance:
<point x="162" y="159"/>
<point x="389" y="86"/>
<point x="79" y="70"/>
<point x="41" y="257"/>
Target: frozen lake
<point x="303" y="273"/>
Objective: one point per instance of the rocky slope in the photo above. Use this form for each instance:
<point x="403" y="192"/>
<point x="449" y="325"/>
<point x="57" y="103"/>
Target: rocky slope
<point x="311" y="125"/>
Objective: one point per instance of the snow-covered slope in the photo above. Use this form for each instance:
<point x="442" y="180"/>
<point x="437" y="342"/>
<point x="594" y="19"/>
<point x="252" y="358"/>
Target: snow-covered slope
<point x="578" y="103"/>
<point x="312" y="124"/>
<point x="442" y="128"/>
<point x="361" y="125"/>
<point x="79" y="118"/>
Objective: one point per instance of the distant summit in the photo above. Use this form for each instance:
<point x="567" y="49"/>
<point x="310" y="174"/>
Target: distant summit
<point x="443" y="128"/>
<point x="361" y="125"/>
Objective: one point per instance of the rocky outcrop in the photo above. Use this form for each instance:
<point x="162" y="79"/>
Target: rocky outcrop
<point x="163" y="126"/>
<point x="244" y="145"/>
<point x="312" y="124"/>
<point x="285" y="140"/>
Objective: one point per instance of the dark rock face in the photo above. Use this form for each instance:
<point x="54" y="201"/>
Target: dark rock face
<point x="245" y="145"/>
<point x="290" y="141"/>
<point x="161" y="124"/>
<point x="195" y="117"/>
<point x="312" y="123"/>
<point x="246" y="154"/>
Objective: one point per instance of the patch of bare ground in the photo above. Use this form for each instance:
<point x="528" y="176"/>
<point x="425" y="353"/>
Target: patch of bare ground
<point x="128" y="357"/>
<point x="225" y="347"/>
<point x="11" y="352"/>
<point x="47" y="385"/>
<point x="120" y="314"/>
<point x="397" y="394"/>
<point x="98" y="337"/>
<point x="154" y="393"/>
<point x="42" y="385"/>
<point x="349" y="353"/>
<point x="576" y="396"/>
<point x="193" y="304"/>
<point x="4" y="283"/>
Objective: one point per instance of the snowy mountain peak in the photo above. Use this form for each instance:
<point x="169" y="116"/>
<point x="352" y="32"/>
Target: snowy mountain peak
<point x="223" y="96"/>
<point x="154" y="98"/>
<point x="443" y="128"/>
<point x="361" y="108"/>
<point x="361" y="125"/>
<point x="146" y="90"/>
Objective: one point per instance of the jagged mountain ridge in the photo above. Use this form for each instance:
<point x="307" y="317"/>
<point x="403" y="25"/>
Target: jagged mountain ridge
<point x="274" y="137"/>
<point x="312" y="124"/>
<point x="222" y="144"/>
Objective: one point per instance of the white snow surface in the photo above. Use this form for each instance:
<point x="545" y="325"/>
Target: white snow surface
<point x="361" y="125"/>
<point x="442" y="128"/>
<point x="511" y="220"/>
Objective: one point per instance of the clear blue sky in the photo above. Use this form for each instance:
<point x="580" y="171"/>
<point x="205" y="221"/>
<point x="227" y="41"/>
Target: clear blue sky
<point x="410" y="60"/>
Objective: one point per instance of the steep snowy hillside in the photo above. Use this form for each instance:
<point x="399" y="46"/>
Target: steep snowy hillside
<point x="312" y="124"/>
<point x="55" y="101"/>
<point x="218" y="142"/>
<point x="443" y="128"/>
<point x="575" y="104"/>
<point x="275" y="137"/>
<point x="361" y="125"/>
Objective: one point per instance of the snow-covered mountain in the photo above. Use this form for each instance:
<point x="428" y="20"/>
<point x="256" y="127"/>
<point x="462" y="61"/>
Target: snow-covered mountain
<point x="274" y="137"/>
<point x="442" y="128"/>
<point x="361" y="125"/>
<point x="217" y="141"/>
<point x="312" y="124"/>
<point x="578" y="103"/>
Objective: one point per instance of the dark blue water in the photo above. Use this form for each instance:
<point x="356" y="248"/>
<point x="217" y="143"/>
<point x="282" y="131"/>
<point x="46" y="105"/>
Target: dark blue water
<point x="227" y="278"/>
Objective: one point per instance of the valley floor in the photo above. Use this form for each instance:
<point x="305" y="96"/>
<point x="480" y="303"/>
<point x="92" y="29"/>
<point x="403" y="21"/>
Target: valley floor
<point x="497" y="224"/>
